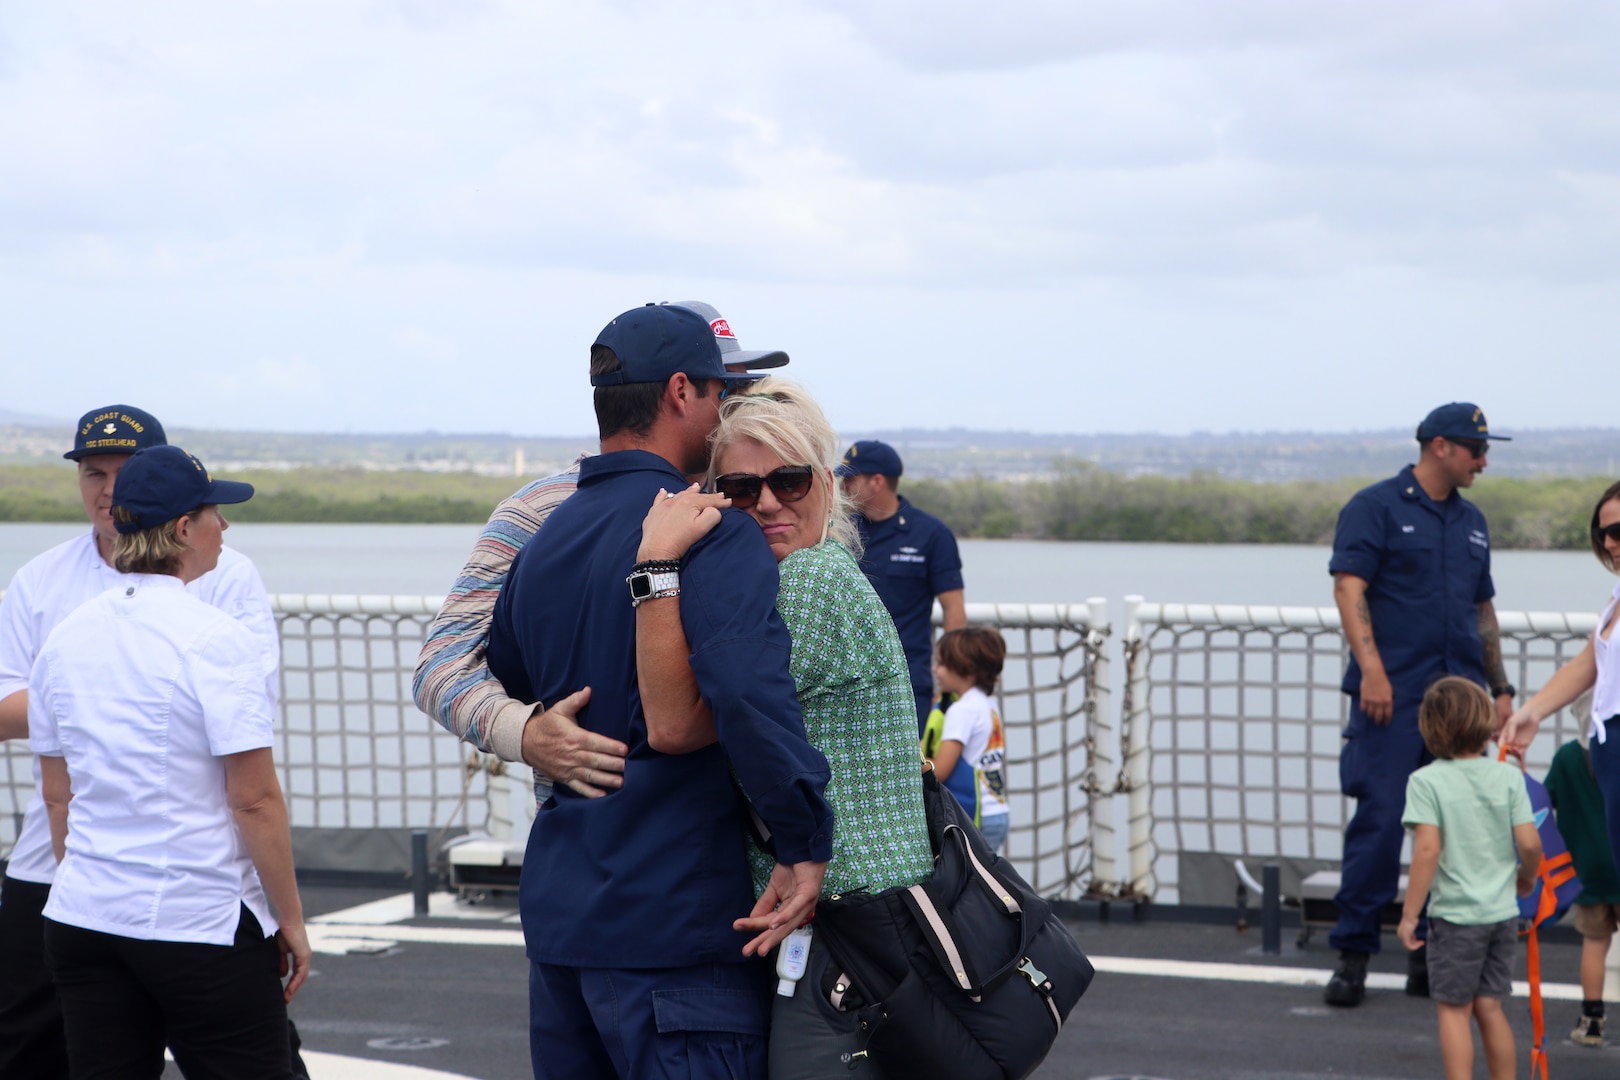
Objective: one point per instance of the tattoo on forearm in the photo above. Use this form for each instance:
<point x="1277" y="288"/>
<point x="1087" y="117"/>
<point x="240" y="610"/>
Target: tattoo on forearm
<point x="1364" y="614"/>
<point x="1490" y="640"/>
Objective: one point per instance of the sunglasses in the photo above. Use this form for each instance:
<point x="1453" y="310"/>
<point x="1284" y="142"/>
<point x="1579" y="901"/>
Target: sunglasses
<point x="1477" y="448"/>
<point x="1612" y="532"/>
<point x="728" y="388"/>
<point x="790" y="483"/>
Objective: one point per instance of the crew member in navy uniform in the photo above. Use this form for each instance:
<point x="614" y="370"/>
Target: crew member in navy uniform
<point x="911" y="560"/>
<point x="638" y="906"/>
<point x="1411" y="573"/>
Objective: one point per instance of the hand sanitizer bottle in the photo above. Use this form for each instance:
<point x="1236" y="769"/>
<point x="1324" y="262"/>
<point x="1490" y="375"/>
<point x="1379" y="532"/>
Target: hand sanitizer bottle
<point x="791" y="956"/>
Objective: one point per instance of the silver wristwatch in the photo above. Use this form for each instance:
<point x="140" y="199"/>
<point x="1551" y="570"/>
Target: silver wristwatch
<point x="649" y="585"/>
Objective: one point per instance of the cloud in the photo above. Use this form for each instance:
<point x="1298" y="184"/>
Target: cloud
<point x="287" y="376"/>
<point x="890" y="142"/>
<point x="425" y="343"/>
<point x="384" y="189"/>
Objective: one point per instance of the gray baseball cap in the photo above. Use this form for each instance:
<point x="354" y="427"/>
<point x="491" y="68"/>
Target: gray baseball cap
<point x="731" y="353"/>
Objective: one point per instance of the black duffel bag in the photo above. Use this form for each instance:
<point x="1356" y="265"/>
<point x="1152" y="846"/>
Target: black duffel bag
<point x="969" y="975"/>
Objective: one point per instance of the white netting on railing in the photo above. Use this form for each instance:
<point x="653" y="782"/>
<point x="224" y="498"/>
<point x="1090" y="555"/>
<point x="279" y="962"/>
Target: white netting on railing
<point x="354" y="750"/>
<point x="1052" y="712"/>
<point x="16" y="786"/>
<point x="1240" y="710"/>
<point x="1228" y="739"/>
<point x="356" y="753"/>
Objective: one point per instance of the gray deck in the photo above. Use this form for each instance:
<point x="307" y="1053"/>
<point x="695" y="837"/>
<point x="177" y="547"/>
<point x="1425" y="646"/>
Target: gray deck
<point x="474" y="998"/>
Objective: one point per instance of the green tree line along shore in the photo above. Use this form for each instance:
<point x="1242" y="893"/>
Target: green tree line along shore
<point x="1078" y="502"/>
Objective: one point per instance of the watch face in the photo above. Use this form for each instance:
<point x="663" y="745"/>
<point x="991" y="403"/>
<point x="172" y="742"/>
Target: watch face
<point x="640" y="586"/>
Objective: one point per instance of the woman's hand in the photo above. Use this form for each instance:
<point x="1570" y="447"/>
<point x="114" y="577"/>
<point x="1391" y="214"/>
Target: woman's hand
<point x="678" y="521"/>
<point x="788" y="902"/>
<point x="293" y="941"/>
<point x="1520" y="729"/>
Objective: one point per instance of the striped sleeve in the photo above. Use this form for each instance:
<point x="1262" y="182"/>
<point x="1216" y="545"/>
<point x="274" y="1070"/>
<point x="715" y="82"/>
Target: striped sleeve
<point x="453" y="683"/>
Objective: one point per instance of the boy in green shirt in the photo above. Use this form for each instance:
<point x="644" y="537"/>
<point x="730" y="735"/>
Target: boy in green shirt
<point x="1468" y="814"/>
<point x="1579" y="806"/>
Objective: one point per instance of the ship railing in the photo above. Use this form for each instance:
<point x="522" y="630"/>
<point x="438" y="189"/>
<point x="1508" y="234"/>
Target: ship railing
<point x="1230" y="729"/>
<point x="1222" y="742"/>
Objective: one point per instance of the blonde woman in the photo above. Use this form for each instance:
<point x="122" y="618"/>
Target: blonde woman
<point x="773" y="459"/>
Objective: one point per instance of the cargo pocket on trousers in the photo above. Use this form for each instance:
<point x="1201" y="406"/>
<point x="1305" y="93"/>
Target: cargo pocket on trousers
<point x="1352" y="772"/>
<point x="718" y="1033"/>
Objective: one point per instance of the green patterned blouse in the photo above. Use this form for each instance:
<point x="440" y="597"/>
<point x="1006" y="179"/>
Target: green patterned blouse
<point x="855" y="692"/>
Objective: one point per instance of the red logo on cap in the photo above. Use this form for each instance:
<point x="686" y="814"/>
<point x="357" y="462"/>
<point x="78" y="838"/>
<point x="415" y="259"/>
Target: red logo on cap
<point x="722" y="328"/>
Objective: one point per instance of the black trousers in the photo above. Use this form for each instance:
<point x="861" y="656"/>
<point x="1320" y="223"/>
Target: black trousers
<point x="31" y="1040"/>
<point x="218" y="1007"/>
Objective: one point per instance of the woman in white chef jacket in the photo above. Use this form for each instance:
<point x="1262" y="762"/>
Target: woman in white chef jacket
<point x="174" y="913"/>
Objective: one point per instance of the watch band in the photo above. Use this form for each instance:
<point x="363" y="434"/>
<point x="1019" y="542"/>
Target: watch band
<point x="650" y="585"/>
<point x="1506" y="688"/>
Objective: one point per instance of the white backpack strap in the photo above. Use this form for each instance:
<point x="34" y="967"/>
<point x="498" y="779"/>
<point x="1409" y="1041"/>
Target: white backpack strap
<point x="940" y="935"/>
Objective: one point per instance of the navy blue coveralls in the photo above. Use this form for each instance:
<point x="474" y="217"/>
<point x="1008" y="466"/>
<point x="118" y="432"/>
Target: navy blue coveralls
<point x="627" y="900"/>
<point x="1427" y="566"/>
<point x="911" y="558"/>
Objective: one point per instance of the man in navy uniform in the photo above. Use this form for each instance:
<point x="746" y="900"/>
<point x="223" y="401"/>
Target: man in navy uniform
<point x="911" y="560"/>
<point x="635" y="904"/>
<point x="1411" y="573"/>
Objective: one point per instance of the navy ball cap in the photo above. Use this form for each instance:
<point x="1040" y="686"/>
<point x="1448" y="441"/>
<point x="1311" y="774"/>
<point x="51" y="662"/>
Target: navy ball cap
<point x="1457" y="420"/>
<point x="115" y="429"/>
<point x="161" y="483"/>
<point x="656" y="341"/>
<point x="870" y="457"/>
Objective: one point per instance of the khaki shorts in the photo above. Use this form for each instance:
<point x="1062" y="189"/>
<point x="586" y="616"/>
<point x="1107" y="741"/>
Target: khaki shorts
<point x="1597" y="920"/>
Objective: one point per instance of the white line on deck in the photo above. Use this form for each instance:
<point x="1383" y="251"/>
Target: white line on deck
<point x="1284" y="976"/>
<point x="441" y="905"/>
<point x="362" y="929"/>
<point x="332" y="937"/>
<point x="340" y="1067"/>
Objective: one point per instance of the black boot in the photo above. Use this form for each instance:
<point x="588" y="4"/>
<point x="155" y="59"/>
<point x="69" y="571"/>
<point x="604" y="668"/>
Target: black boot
<point x="1349" y="984"/>
<point x="1417" y="972"/>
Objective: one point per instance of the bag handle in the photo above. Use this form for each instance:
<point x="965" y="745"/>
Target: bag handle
<point x="938" y="928"/>
<point x="1028" y="926"/>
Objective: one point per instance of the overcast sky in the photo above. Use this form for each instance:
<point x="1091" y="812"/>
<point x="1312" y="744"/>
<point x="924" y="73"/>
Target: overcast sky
<point x="1166" y="215"/>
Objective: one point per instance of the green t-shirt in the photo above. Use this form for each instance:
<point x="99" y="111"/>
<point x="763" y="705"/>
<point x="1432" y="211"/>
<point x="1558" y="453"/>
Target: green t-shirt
<point x="1579" y="806"/>
<point x="855" y="693"/>
<point x="1476" y="803"/>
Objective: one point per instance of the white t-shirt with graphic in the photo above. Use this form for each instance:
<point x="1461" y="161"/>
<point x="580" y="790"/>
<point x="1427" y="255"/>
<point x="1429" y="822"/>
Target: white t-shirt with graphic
<point x="973" y="722"/>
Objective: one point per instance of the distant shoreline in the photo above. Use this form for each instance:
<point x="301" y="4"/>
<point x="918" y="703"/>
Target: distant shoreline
<point x="952" y="453"/>
<point x="1080" y="502"/>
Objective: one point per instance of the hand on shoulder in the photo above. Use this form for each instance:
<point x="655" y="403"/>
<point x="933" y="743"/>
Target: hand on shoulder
<point x="677" y="521"/>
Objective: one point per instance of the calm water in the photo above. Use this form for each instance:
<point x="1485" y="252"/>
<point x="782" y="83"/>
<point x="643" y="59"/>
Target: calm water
<point x="424" y="559"/>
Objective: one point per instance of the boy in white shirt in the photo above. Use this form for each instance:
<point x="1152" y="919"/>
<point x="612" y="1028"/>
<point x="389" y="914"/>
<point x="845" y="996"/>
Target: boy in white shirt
<point x="971" y="750"/>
